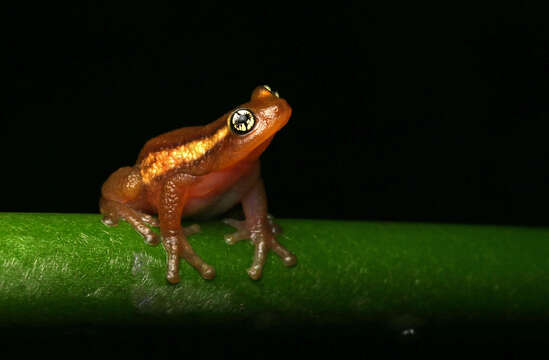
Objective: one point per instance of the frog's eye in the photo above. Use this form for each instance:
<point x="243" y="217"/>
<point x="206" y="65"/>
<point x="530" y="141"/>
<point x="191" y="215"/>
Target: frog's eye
<point x="268" y="88"/>
<point x="242" y="121"/>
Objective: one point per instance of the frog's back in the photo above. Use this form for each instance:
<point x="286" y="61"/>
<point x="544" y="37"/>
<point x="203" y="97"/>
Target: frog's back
<point x="183" y="148"/>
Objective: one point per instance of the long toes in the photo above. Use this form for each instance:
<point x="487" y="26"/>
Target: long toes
<point x="149" y="219"/>
<point x="149" y="236"/>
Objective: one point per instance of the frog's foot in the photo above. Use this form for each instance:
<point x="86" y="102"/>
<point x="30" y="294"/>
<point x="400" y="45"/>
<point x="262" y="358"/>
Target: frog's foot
<point x="243" y="233"/>
<point x="177" y="247"/>
<point x="113" y="211"/>
<point x="262" y="236"/>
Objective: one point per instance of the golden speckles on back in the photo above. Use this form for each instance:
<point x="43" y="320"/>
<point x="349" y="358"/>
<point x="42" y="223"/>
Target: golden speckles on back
<point x="160" y="162"/>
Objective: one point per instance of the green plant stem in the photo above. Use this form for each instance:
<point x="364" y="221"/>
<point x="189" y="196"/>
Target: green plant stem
<point x="71" y="269"/>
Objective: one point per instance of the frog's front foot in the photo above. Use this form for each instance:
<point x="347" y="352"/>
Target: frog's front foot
<point x="178" y="247"/>
<point x="262" y="235"/>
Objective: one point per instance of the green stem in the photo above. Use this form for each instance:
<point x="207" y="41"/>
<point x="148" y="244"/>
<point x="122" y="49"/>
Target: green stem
<point x="71" y="269"/>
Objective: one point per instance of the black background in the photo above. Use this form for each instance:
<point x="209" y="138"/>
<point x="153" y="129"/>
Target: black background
<point x="401" y="113"/>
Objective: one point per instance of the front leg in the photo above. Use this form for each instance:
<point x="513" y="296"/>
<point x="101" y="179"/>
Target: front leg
<point x="260" y="228"/>
<point x="173" y="197"/>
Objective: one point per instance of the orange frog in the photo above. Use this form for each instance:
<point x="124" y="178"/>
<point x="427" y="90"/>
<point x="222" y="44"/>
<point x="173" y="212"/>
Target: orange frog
<point x="203" y="171"/>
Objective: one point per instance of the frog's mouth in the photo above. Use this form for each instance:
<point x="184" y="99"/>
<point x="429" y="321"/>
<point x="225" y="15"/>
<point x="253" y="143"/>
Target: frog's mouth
<point x="284" y="118"/>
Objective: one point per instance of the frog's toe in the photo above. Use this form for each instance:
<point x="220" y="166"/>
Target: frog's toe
<point x="151" y="238"/>
<point x="146" y="232"/>
<point x="172" y="275"/>
<point x="255" y="272"/>
<point x="242" y="232"/>
<point x="290" y="260"/>
<point x="150" y="220"/>
<point x="109" y="220"/>
<point x="260" y="257"/>
<point x="192" y="229"/>
<point x="207" y="271"/>
<point x="237" y="224"/>
<point x="235" y="237"/>
<point x="287" y="257"/>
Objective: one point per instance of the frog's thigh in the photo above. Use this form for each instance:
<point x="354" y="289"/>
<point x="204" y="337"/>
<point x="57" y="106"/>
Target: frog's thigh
<point x="123" y="186"/>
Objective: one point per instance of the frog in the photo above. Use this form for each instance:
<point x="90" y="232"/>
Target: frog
<point x="201" y="172"/>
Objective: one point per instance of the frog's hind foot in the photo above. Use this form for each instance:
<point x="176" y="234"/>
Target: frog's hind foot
<point x="113" y="211"/>
<point x="243" y="233"/>
<point x="264" y="240"/>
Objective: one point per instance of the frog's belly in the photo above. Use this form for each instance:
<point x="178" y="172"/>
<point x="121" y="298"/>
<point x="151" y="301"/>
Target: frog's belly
<point x="213" y="205"/>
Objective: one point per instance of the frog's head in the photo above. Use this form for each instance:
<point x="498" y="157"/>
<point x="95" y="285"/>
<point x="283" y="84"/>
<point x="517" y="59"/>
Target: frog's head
<point x="252" y="125"/>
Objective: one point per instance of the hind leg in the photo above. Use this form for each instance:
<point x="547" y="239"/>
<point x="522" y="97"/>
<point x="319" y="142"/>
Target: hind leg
<point x="113" y="211"/>
<point x="122" y="187"/>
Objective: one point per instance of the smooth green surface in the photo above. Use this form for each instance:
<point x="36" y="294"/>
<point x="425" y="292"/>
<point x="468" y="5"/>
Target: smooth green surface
<point x="71" y="269"/>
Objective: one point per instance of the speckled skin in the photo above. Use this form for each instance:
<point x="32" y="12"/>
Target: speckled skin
<point x="201" y="172"/>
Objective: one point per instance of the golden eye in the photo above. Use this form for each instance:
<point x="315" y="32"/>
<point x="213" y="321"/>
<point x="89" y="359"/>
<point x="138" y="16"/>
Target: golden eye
<point x="268" y="88"/>
<point x="242" y="121"/>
